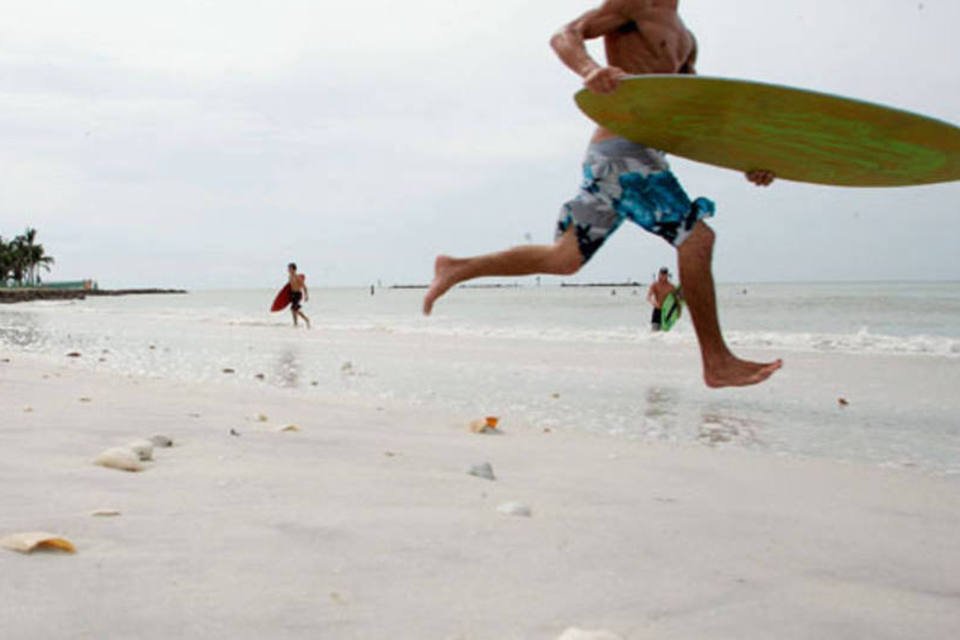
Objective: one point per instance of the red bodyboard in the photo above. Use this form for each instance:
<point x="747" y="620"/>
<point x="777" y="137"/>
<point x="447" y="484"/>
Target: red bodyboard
<point x="282" y="300"/>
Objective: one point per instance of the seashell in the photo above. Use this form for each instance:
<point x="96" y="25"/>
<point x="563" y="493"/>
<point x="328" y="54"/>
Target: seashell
<point x="143" y="449"/>
<point x="574" y="633"/>
<point x="73" y="354"/>
<point x="161" y="441"/>
<point x="346" y="367"/>
<point x="229" y="370"/>
<point x="483" y="470"/>
<point x="32" y="540"/>
<point x="843" y="402"/>
<point x="260" y="376"/>
<point x="105" y="513"/>
<point x="289" y="427"/>
<point x="262" y="417"/>
<point x="85" y="399"/>
<point x="486" y="425"/>
<point x="28" y="409"/>
<point x="119" y="458"/>
<point x="515" y="509"/>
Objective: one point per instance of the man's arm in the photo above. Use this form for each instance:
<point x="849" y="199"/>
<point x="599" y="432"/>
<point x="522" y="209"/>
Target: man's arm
<point x="569" y="45"/>
<point x="651" y="297"/>
<point x="306" y="292"/>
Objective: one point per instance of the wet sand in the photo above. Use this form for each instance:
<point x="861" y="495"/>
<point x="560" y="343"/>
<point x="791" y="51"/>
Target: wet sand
<point x="365" y="524"/>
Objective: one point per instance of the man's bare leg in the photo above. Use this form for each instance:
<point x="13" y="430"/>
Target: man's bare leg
<point x="720" y="367"/>
<point x="305" y="318"/>
<point x="560" y="258"/>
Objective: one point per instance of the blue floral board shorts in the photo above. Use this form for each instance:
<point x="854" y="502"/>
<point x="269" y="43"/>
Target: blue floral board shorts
<point x="623" y="180"/>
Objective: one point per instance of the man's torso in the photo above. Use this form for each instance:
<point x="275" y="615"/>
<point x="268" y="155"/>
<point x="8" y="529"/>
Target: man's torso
<point x="653" y="40"/>
<point x="660" y="291"/>
<point x="296" y="282"/>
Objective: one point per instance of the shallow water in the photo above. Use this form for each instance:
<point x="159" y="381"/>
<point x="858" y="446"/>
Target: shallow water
<point x="563" y="358"/>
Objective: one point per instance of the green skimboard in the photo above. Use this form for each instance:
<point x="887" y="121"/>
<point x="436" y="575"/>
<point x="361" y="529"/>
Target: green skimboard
<point x="671" y="310"/>
<point x="799" y="135"/>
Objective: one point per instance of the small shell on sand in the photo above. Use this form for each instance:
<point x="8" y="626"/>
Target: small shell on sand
<point x="143" y="449"/>
<point x="260" y="376"/>
<point x="85" y="399"/>
<point x="73" y="354"/>
<point x="515" y="509"/>
<point x="229" y="370"/>
<point x="843" y="402"/>
<point x="28" y="409"/>
<point x="119" y="458"/>
<point x="486" y="425"/>
<point x="33" y="540"/>
<point x="289" y="427"/>
<point x="162" y="441"/>
<point x="262" y="417"/>
<point x="483" y="470"/>
<point x="105" y="513"/>
<point x="574" y="633"/>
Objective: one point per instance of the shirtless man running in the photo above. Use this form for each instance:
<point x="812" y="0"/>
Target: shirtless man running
<point x="624" y="180"/>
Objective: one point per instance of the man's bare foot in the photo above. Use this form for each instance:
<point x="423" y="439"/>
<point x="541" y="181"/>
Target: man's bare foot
<point x="446" y="273"/>
<point x="735" y="372"/>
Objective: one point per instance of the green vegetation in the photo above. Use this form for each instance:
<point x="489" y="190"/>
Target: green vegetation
<point x="21" y="260"/>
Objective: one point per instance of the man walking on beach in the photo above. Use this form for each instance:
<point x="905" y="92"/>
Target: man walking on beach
<point x="657" y="293"/>
<point x="298" y="293"/>
<point x="625" y="180"/>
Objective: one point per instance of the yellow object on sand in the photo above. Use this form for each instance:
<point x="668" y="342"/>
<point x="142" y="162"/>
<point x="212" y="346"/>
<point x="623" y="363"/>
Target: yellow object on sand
<point x="32" y="540"/>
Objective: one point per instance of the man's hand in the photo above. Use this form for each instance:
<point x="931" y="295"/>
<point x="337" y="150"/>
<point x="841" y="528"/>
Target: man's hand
<point x="761" y="178"/>
<point x="604" y="79"/>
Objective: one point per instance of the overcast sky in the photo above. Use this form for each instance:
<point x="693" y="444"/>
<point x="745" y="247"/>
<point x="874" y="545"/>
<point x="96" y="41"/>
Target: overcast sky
<point x="205" y="143"/>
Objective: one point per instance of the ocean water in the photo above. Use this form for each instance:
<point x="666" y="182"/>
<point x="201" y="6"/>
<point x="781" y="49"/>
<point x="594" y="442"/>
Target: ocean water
<point x="574" y="358"/>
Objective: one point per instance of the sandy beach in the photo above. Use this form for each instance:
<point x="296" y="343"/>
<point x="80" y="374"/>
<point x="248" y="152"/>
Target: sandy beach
<point x="366" y="524"/>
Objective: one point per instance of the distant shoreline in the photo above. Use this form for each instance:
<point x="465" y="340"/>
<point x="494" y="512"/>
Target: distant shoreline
<point x="10" y="296"/>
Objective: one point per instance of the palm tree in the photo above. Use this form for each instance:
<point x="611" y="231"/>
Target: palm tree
<point x="34" y="256"/>
<point x="22" y="258"/>
<point x="6" y="261"/>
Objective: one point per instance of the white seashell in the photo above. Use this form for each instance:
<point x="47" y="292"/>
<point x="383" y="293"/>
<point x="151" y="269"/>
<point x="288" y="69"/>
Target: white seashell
<point x="161" y="441"/>
<point x="515" y="509"/>
<point x="143" y="449"/>
<point x="105" y="513"/>
<point x="33" y="540"/>
<point x="574" y="633"/>
<point x="483" y="470"/>
<point x="119" y="458"/>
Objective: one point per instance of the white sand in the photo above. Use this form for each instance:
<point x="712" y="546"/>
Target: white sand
<point x="365" y="524"/>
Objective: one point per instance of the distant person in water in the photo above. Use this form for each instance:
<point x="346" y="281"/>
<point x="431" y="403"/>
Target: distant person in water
<point x="623" y="180"/>
<point x="657" y="293"/>
<point x="298" y="293"/>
